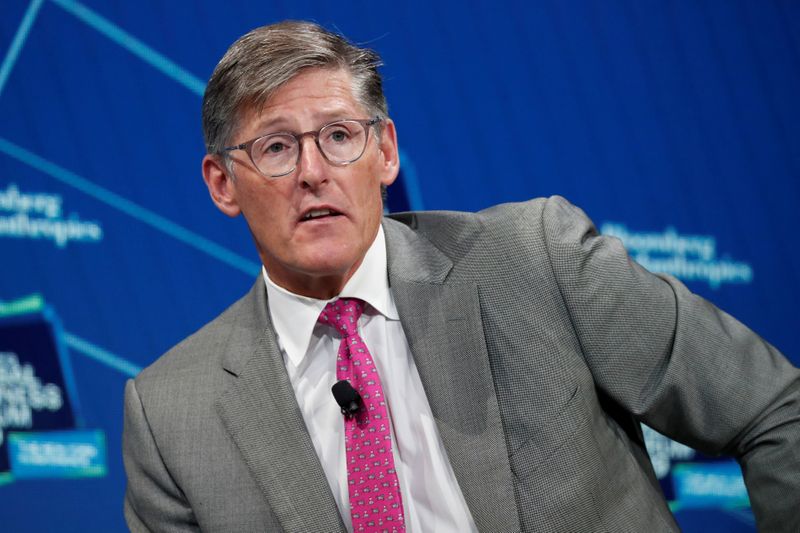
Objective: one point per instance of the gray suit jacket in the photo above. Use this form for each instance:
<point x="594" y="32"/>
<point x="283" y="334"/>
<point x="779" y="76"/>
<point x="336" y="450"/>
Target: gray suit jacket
<point x="537" y="341"/>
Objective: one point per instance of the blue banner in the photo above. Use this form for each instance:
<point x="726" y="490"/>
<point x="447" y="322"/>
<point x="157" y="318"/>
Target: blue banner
<point x="54" y="454"/>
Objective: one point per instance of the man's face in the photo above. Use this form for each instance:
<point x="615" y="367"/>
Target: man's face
<point x="314" y="257"/>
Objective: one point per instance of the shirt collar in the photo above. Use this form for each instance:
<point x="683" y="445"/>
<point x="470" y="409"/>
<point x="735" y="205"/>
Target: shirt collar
<point x="294" y="316"/>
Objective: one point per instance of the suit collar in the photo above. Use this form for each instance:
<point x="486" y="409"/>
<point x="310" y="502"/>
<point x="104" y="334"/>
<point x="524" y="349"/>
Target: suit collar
<point x="441" y="318"/>
<point x="411" y="257"/>
<point x="249" y="322"/>
<point x="294" y="316"/>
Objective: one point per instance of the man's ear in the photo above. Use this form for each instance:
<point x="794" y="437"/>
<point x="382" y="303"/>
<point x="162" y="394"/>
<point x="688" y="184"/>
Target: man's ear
<point x="221" y="185"/>
<point x="390" y="162"/>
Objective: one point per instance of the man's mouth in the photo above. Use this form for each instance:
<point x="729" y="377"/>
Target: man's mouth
<point x="319" y="213"/>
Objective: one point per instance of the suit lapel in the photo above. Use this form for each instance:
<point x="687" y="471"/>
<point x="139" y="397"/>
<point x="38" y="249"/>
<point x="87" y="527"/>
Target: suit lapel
<point x="262" y="416"/>
<point x="442" y="322"/>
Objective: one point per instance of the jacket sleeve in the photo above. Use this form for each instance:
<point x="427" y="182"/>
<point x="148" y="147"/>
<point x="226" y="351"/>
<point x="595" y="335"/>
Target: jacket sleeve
<point x="153" y="501"/>
<point x="679" y="364"/>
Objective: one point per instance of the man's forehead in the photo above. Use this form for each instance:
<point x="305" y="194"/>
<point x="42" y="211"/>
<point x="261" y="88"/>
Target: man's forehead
<point x="318" y="94"/>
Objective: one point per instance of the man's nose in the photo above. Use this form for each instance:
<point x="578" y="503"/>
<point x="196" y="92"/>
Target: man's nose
<point x="311" y="165"/>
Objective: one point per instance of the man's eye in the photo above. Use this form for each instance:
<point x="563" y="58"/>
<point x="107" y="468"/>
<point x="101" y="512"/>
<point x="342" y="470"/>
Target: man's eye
<point x="339" y="136"/>
<point x="274" y="148"/>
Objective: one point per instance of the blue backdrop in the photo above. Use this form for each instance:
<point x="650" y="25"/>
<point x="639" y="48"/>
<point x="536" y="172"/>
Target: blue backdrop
<point x="674" y="124"/>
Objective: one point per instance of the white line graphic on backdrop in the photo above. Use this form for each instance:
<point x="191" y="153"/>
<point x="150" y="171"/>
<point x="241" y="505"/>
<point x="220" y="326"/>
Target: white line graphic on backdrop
<point x="101" y="355"/>
<point x="132" y="209"/>
<point x="18" y="41"/>
<point x="147" y="54"/>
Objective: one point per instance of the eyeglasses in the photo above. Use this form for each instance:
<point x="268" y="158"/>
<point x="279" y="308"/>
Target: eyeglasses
<point x="277" y="154"/>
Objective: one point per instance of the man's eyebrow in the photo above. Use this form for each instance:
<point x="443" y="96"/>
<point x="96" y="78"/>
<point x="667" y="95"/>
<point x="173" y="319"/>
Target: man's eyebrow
<point x="266" y="124"/>
<point x="325" y="117"/>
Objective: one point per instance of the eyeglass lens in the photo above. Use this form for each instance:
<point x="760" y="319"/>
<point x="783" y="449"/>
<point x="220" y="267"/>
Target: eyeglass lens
<point x="340" y="142"/>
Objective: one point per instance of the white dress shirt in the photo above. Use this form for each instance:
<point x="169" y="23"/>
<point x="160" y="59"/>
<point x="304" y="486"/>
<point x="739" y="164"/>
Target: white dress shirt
<point x="432" y="499"/>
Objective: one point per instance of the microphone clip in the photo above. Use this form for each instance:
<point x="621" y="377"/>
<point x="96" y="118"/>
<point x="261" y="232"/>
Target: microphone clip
<point x="347" y="397"/>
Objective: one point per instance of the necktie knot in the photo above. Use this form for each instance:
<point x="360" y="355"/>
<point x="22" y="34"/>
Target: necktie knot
<point x="343" y="314"/>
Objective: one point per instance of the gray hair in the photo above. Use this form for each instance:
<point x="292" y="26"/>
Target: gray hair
<point x="263" y="60"/>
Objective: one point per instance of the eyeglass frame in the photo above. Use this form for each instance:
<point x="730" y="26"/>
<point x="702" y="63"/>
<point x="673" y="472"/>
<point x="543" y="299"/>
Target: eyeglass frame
<point x="366" y="123"/>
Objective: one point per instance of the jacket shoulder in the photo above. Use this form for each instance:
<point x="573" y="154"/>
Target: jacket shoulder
<point x="202" y="353"/>
<point x="507" y="228"/>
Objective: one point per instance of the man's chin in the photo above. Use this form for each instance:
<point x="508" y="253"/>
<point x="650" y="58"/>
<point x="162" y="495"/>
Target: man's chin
<point x="321" y="277"/>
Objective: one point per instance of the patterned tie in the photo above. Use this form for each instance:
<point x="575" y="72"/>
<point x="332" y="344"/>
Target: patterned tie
<point x="375" y="500"/>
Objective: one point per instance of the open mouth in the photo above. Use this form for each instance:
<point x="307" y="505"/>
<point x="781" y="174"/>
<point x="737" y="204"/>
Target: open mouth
<point x="319" y="213"/>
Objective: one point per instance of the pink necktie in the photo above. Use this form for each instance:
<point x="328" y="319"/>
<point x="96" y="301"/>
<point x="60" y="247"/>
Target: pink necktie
<point x="375" y="500"/>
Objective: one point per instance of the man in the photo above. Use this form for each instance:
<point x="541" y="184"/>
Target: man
<point x="504" y="357"/>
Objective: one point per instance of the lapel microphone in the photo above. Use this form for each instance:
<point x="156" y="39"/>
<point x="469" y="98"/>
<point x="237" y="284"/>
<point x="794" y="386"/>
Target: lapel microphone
<point x="347" y="397"/>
